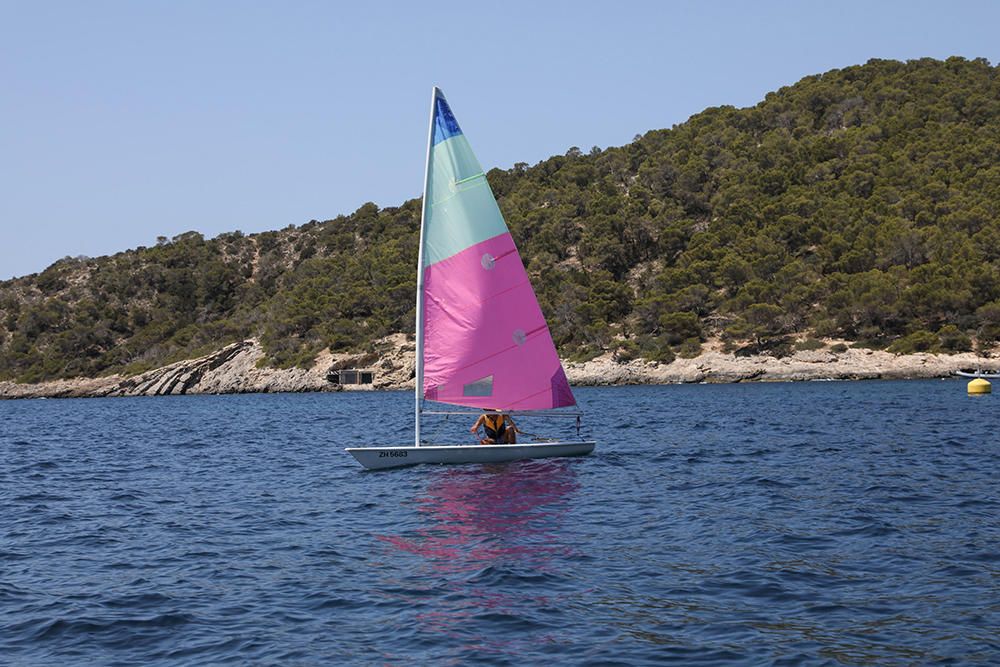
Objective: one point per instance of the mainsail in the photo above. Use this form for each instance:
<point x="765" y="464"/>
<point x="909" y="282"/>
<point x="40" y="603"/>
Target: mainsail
<point x="483" y="338"/>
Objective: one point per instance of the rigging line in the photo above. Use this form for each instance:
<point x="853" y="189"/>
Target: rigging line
<point x="526" y="281"/>
<point x="506" y="349"/>
<point x="455" y="194"/>
<point x="469" y="178"/>
<point x="439" y="428"/>
<point x="515" y="286"/>
<point x="524" y="398"/>
<point x="505" y="254"/>
<point x="539" y="437"/>
<point x="544" y="414"/>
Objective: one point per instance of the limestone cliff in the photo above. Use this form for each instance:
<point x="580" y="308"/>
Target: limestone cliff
<point x="236" y="369"/>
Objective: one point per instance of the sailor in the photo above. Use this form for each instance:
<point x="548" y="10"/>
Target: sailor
<point x="500" y="428"/>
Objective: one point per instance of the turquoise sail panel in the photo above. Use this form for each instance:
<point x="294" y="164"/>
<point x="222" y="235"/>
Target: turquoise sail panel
<point x="462" y="210"/>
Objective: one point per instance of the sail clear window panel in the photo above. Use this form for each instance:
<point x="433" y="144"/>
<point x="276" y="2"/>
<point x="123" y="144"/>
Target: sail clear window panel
<point x="481" y="387"/>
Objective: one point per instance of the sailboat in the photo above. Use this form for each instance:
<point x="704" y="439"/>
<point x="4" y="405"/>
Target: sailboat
<point x="481" y="339"/>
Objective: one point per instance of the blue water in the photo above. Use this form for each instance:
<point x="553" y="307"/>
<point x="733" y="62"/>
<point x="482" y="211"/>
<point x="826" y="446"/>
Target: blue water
<point x="818" y="523"/>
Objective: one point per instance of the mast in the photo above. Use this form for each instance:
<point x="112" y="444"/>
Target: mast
<point x="419" y="376"/>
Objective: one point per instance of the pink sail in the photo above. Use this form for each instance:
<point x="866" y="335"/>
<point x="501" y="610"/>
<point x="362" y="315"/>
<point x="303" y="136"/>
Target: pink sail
<point x="484" y="340"/>
<point x="486" y="343"/>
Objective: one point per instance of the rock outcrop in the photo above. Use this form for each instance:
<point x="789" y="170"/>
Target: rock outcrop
<point x="717" y="366"/>
<point x="236" y="368"/>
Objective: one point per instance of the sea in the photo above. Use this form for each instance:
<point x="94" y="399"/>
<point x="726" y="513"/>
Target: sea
<point x="819" y="523"/>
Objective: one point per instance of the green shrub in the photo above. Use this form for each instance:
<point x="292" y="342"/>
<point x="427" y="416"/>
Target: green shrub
<point x="678" y="327"/>
<point x="809" y="344"/>
<point x="825" y="327"/>
<point x="774" y="347"/>
<point x="918" y="341"/>
<point x="585" y="353"/>
<point x="627" y="351"/>
<point x="690" y="348"/>
<point x="954" y="340"/>
<point x="655" y="348"/>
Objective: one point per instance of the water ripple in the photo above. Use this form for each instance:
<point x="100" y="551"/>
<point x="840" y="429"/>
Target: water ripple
<point x="816" y="523"/>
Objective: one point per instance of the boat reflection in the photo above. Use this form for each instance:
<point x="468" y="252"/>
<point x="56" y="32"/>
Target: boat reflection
<point x="478" y="517"/>
<point x="493" y="539"/>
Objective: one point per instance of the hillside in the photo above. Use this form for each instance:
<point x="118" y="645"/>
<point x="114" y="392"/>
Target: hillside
<point x="860" y="204"/>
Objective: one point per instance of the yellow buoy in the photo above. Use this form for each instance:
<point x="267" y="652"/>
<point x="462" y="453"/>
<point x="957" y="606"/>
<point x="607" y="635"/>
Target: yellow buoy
<point x="979" y="386"/>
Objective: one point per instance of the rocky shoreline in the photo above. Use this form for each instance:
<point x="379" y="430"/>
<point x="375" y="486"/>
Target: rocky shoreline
<point x="234" y="369"/>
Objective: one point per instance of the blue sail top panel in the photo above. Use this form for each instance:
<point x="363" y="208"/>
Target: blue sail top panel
<point x="445" y="125"/>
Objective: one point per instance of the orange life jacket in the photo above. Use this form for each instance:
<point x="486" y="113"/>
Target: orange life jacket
<point x="494" y="422"/>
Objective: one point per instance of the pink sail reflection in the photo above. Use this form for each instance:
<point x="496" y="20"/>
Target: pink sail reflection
<point x="475" y="520"/>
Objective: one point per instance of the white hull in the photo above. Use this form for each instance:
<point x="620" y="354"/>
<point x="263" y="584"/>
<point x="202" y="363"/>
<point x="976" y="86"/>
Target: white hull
<point x="375" y="458"/>
<point x="988" y="375"/>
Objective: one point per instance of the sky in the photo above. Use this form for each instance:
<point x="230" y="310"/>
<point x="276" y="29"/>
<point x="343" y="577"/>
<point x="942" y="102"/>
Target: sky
<point x="122" y="121"/>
